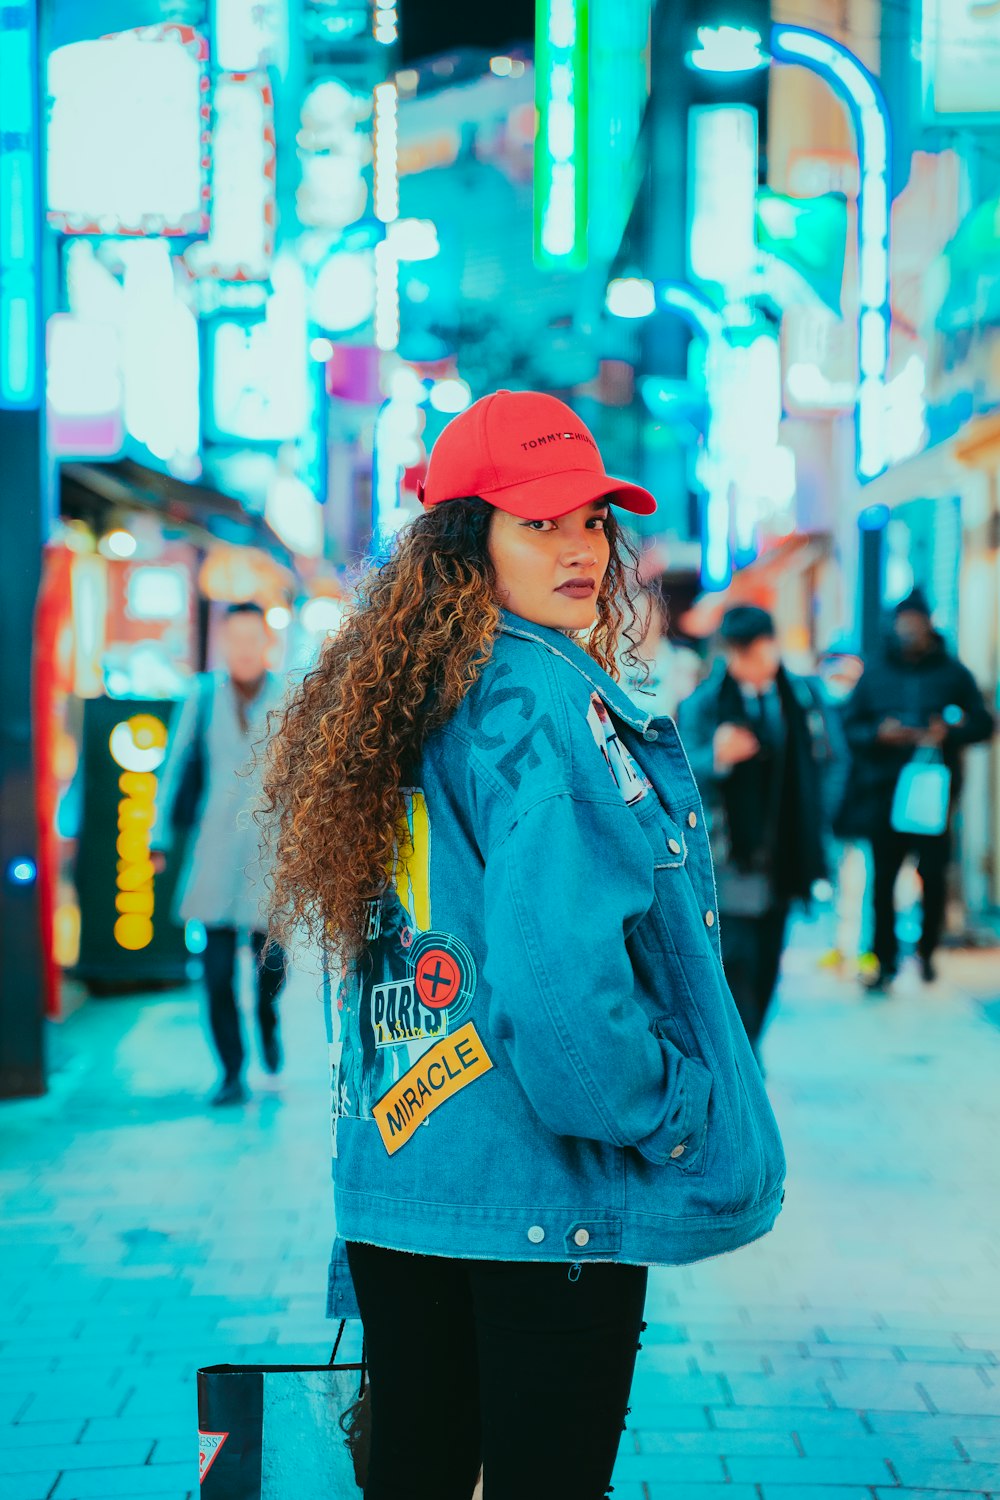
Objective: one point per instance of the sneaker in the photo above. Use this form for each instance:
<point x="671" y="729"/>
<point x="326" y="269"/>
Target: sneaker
<point x="270" y="1052"/>
<point x="230" y="1091"/>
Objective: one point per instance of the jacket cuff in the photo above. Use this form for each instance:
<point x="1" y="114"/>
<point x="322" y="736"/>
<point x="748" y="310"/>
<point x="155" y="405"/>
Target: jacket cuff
<point x="685" y="1126"/>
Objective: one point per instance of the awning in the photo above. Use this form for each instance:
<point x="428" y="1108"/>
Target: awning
<point x="977" y="445"/>
<point x="756" y="583"/>
<point x="89" y="489"/>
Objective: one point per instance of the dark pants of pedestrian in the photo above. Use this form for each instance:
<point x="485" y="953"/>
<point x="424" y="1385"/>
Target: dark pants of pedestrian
<point x="889" y="849"/>
<point x="220" y="980"/>
<point x="521" y="1368"/>
<point x="751" y="957"/>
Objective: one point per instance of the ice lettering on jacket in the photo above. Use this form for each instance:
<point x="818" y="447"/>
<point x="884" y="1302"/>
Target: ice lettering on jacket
<point x="627" y="776"/>
<point x="494" y="698"/>
<point x="410" y="987"/>
<point x="526" y="749"/>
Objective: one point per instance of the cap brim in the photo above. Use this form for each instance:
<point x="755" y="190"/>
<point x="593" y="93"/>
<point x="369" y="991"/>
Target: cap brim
<point x="553" y="495"/>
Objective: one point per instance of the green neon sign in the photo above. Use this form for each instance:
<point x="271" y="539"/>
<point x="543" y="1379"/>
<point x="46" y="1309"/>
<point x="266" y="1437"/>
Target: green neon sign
<point x="562" y="166"/>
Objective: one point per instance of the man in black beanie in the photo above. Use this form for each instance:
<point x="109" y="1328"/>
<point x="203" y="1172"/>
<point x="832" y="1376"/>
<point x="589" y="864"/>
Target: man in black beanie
<point x="914" y="695"/>
<point x="763" y="749"/>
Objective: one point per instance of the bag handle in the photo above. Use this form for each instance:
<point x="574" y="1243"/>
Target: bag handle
<point x="336" y="1346"/>
<point x="927" y="755"/>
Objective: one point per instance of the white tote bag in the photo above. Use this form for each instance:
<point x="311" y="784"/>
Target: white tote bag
<point x="923" y="793"/>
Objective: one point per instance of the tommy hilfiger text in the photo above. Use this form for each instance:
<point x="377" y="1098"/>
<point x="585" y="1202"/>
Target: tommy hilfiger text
<point x="557" y="437"/>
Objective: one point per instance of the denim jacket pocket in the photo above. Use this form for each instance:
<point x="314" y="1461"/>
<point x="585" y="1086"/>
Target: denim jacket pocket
<point x="691" y="1160"/>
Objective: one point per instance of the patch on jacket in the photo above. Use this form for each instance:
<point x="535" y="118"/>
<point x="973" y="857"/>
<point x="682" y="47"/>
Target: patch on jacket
<point x="413" y="987"/>
<point x="432" y="999"/>
<point x="441" y="1073"/>
<point x="626" y="775"/>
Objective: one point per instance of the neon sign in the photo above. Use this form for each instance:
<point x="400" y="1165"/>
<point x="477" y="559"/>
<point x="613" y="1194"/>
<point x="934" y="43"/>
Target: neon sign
<point x="561" y="155"/>
<point x="20" y="381"/>
<point x="138" y="745"/>
<point x="129" y="133"/>
<point x="240" y="246"/>
<point x="870" y="117"/>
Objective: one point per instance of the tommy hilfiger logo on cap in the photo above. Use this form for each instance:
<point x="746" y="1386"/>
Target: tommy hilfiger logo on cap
<point x="557" y="437"/>
<point x="558" y="469"/>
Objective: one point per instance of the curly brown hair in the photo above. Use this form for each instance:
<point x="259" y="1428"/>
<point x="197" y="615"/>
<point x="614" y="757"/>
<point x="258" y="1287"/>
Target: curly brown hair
<point x="414" y="640"/>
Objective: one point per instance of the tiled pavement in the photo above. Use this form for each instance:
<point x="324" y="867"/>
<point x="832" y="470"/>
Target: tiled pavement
<point x="851" y="1355"/>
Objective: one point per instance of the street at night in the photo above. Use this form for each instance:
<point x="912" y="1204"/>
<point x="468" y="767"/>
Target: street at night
<point x="499" y="760"/>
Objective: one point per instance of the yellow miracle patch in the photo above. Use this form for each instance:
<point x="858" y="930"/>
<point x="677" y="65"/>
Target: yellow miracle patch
<point x="447" y="1068"/>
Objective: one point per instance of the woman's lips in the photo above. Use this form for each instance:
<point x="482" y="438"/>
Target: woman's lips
<point x="579" y="588"/>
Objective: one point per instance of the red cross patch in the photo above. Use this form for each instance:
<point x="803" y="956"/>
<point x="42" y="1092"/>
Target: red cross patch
<point x="438" y="978"/>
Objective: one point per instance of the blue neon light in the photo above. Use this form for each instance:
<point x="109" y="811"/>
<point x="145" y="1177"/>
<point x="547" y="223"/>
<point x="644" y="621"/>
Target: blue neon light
<point x="864" y="100"/>
<point x="873" y="518"/>
<point x="20" y="365"/>
<point x="22" y="871"/>
<point x="716" y="520"/>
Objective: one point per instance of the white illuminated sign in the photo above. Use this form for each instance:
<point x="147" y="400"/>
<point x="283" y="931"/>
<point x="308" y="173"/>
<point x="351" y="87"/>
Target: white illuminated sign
<point x="295" y="515"/>
<point x="259" y="370"/>
<point x="343" y="294"/>
<point x="128" y="135"/>
<point x="84" y="387"/>
<point x="241" y="240"/>
<point x="386" y="153"/>
<point x="723" y="177"/>
<point x="156" y="593"/>
<point x="249" y="34"/>
<point x="960" y="44"/>
<point x="160" y="356"/>
<point x="333" y="153"/>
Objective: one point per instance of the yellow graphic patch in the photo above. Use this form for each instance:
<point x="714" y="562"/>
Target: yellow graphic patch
<point x="445" y="1070"/>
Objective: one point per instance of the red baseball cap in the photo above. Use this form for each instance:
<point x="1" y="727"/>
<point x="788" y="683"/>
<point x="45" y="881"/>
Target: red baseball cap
<point x="526" y="453"/>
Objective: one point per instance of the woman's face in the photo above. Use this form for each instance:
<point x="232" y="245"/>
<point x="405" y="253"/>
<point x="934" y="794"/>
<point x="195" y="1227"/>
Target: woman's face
<point x="550" y="572"/>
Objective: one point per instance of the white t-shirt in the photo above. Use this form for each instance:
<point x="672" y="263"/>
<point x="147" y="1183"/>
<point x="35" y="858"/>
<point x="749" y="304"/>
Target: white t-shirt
<point x="627" y="776"/>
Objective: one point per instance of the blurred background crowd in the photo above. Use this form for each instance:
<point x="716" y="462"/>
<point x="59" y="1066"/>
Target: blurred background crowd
<point x="255" y="254"/>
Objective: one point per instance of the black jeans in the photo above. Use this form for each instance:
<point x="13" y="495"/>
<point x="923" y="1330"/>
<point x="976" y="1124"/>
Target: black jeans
<point x="220" y="980"/>
<point x="889" y="849"/>
<point x="512" y="1366"/>
<point x="751" y="956"/>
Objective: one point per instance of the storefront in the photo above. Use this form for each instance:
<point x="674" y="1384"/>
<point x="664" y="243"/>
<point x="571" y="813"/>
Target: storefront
<point x="139" y="570"/>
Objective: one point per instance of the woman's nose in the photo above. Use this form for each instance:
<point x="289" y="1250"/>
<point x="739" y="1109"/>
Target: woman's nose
<point x="581" y="552"/>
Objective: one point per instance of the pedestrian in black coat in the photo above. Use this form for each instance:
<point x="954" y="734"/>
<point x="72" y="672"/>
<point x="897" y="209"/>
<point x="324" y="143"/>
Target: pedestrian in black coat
<point x="763" y="748"/>
<point x="913" y="694"/>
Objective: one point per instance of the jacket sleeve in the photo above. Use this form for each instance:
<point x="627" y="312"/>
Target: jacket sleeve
<point x="861" y="717"/>
<point x="183" y="726"/>
<point x="978" y="723"/>
<point x="563" y="892"/>
<point x="696" y="725"/>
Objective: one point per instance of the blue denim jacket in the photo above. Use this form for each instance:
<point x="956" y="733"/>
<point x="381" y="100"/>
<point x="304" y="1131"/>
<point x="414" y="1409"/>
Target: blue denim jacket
<point x="538" y="1057"/>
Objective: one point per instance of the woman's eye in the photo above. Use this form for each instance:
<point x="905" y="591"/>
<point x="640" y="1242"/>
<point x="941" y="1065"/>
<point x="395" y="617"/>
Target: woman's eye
<point x="537" y="525"/>
<point x="600" y="521"/>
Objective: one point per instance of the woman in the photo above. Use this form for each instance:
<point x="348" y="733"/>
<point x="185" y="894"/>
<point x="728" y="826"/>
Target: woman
<point x="543" y="1086"/>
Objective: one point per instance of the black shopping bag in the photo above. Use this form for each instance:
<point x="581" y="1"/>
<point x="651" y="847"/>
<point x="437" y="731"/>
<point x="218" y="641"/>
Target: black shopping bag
<point x="283" y="1432"/>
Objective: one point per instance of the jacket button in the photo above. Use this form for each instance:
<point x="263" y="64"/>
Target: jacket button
<point x="692" y="820"/>
<point x="676" y="1152"/>
<point x="674" y="847"/>
<point x="710" y="919"/>
<point x="581" y="1238"/>
<point x="536" y="1234"/>
<point x="651" y="734"/>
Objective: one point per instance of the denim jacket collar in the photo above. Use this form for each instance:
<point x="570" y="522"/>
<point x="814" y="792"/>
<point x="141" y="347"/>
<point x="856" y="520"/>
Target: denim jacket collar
<point x="560" y="644"/>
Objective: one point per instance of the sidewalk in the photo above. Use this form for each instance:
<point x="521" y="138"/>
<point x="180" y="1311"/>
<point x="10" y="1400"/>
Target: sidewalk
<point x="851" y="1355"/>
